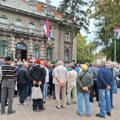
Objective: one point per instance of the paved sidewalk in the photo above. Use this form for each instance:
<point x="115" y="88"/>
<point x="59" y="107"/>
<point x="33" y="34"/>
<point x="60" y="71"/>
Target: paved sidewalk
<point x="51" y="113"/>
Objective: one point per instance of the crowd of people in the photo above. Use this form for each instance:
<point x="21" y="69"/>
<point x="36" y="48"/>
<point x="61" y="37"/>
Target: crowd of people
<point x="66" y="83"/>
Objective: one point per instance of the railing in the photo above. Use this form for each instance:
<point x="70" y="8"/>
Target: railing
<point x="13" y="27"/>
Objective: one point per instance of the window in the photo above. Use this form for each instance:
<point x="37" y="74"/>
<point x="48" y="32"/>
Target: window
<point x="67" y="38"/>
<point x="66" y="55"/>
<point x="3" y="22"/>
<point x="49" y="54"/>
<point x="18" y="25"/>
<point x="36" y="51"/>
<point x="31" y="27"/>
<point x="3" y="48"/>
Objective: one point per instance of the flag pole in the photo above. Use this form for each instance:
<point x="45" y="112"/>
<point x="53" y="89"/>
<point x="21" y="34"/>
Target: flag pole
<point x="115" y="49"/>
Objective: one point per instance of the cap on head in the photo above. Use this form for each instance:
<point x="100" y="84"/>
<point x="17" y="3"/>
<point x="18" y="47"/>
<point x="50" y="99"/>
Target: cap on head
<point x="8" y="58"/>
<point x="38" y="61"/>
<point x="84" y="67"/>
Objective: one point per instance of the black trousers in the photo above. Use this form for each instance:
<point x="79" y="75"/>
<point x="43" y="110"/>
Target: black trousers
<point x="94" y="92"/>
<point x="38" y="104"/>
<point x="51" y="89"/>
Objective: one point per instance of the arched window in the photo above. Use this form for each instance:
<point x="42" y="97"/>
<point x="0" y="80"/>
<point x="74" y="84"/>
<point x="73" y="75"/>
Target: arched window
<point x="3" y="48"/>
<point x="49" y="54"/>
<point x="36" y="51"/>
<point x="66" y="55"/>
<point x="21" y="46"/>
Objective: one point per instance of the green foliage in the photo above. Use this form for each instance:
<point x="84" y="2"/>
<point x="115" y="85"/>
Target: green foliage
<point x="73" y="12"/>
<point x="111" y="51"/>
<point x="107" y="16"/>
<point x="84" y="51"/>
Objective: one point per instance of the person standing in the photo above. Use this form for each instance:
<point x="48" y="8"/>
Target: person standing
<point x="104" y="83"/>
<point x="23" y="81"/>
<point x="37" y="74"/>
<point x="7" y="88"/>
<point x="94" y="89"/>
<point x="46" y="82"/>
<point x="51" y="85"/>
<point x="71" y="85"/>
<point x="1" y="62"/>
<point x="84" y="83"/>
<point x="60" y="80"/>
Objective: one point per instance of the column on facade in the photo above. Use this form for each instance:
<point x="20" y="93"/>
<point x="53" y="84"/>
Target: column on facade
<point x="56" y="44"/>
<point x="74" y="54"/>
<point x="30" y="48"/>
<point x="61" y="37"/>
<point x="43" y="50"/>
<point x="12" y="46"/>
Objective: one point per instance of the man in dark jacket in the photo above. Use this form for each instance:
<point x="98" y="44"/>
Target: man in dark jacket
<point x="104" y="83"/>
<point x="37" y="75"/>
<point x="23" y="81"/>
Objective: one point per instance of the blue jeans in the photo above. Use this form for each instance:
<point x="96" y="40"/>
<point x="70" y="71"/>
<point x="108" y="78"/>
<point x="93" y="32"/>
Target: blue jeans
<point x="23" y="92"/>
<point x="80" y="103"/>
<point x="45" y="91"/>
<point x="114" y="87"/>
<point x="105" y="102"/>
<point x="0" y="92"/>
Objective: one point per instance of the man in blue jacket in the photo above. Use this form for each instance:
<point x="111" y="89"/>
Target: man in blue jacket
<point x="104" y="83"/>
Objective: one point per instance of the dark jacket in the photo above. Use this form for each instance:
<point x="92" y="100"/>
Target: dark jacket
<point x="37" y="73"/>
<point x="22" y="76"/>
<point x="84" y="79"/>
<point x="105" y="78"/>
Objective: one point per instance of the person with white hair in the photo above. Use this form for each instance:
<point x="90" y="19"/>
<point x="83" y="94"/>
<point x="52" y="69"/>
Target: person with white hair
<point x="104" y="83"/>
<point x="60" y="80"/>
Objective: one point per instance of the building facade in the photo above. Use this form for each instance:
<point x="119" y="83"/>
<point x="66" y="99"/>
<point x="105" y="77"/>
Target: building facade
<point x="22" y="33"/>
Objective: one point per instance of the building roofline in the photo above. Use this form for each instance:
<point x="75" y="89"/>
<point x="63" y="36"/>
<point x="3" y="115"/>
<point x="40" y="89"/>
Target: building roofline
<point x="45" y="3"/>
<point x="15" y="10"/>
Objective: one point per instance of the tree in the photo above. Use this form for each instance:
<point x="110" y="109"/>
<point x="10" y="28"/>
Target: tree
<point x="107" y="15"/>
<point x="74" y="14"/>
<point x="84" y="51"/>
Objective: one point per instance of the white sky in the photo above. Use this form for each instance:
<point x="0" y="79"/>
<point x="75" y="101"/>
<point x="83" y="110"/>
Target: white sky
<point x="53" y="2"/>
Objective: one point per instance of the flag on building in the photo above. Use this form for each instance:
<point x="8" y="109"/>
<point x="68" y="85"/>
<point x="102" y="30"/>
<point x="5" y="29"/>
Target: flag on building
<point x="117" y="32"/>
<point x="47" y="29"/>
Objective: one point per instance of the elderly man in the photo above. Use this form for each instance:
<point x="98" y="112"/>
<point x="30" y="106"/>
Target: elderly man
<point x="104" y="83"/>
<point x="84" y="83"/>
<point x="71" y="85"/>
<point x="60" y="79"/>
<point x="8" y="81"/>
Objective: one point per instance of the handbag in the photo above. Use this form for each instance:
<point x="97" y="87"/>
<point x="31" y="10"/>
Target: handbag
<point x="36" y="93"/>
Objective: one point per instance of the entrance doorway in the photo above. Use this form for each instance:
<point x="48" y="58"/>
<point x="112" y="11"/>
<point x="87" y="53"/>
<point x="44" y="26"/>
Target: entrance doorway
<point x="21" y="51"/>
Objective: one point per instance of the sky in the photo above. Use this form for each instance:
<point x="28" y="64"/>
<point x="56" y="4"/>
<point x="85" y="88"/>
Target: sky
<point x="53" y="2"/>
